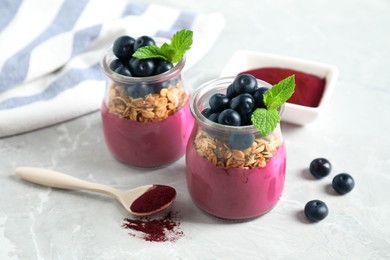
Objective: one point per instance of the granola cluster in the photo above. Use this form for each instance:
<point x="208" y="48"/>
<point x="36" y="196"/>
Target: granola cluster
<point x="218" y="152"/>
<point x="151" y="108"/>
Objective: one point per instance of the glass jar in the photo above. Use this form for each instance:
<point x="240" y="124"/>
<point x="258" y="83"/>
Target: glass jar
<point x="233" y="172"/>
<point x="146" y="120"/>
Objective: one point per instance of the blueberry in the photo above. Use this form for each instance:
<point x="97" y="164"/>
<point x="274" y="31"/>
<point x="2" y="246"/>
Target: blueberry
<point x="123" y="70"/>
<point x="169" y="82"/>
<point x="243" y="103"/>
<point x="316" y="210"/>
<point x="166" y="84"/>
<point x="246" y="119"/>
<point x="139" y="91"/>
<point x="219" y="102"/>
<point x="241" y="140"/>
<point x="123" y="47"/>
<point x="142" y="68"/>
<point x="143" y="41"/>
<point x="245" y="83"/>
<point x="258" y="95"/>
<point x="214" y="117"/>
<point x="207" y="112"/>
<point x="131" y="62"/>
<point x="230" y="92"/>
<point x="162" y="66"/>
<point x="343" y="183"/>
<point x="229" y="117"/>
<point x="320" y="168"/>
<point x="115" y="64"/>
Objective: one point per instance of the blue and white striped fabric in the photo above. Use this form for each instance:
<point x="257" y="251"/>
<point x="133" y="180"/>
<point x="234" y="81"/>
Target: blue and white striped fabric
<point x="50" y="51"/>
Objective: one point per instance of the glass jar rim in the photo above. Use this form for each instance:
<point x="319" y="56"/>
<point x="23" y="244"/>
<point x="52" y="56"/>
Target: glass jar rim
<point x="209" y="86"/>
<point x="105" y="65"/>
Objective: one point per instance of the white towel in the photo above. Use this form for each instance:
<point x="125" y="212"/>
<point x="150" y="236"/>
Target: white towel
<point x="50" y="52"/>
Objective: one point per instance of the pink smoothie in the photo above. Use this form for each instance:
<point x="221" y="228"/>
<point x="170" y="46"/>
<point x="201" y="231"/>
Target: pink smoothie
<point x="235" y="193"/>
<point x="147" y="144"/>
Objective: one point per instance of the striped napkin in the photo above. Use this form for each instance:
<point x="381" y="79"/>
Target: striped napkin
<point x="50" y="52"/>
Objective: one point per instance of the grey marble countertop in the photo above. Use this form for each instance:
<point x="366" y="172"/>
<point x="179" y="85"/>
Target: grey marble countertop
<point x="43" y="223"/>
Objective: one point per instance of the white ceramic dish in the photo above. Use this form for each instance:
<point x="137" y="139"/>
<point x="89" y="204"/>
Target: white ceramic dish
<point x="297" y="114"/>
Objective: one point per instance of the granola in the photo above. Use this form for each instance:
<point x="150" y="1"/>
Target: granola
<point x="220" y="154"/>
<point x="151" y="108"/>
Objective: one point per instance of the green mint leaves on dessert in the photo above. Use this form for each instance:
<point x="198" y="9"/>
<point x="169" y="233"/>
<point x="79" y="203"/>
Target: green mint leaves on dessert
<point x="180" y="43"/>
<point x="279" y="93"/>
<point x="266" y="119"/>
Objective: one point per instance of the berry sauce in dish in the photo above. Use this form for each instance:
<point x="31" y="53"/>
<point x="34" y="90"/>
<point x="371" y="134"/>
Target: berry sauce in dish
<point x="309" y="88"/>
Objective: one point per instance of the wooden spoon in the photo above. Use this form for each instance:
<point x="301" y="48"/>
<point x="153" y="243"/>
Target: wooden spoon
<point x="141" y="201"/>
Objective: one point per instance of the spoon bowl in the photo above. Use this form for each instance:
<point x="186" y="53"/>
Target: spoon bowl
<point x="140" y="201"/>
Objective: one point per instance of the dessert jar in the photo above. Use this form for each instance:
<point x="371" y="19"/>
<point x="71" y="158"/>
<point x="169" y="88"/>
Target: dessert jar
<point x="233" y="172"/>
<point x="146" y="120"/>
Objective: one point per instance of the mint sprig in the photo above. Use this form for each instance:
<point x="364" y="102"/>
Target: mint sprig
<point x="180" y="43"/>
<point x="266" y="119"/>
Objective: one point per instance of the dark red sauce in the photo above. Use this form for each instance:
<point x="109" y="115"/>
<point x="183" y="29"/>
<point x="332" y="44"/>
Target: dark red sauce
<point x="166" y="229"/>
<point x="308" y="88"/>
<point x="154" y="199"/>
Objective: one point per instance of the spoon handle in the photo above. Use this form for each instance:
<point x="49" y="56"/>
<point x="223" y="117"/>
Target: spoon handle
<point x="55" y="179"/>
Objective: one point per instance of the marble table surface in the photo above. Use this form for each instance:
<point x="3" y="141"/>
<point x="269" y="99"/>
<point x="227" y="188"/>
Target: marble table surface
<point x="43" y="223"/>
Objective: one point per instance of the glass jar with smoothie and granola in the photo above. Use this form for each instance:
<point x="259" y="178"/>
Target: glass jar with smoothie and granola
<point x="234" y="170"/>
<point x="145" y="112"/>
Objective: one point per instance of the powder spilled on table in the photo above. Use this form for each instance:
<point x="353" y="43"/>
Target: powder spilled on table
<point x="165" y="229"/>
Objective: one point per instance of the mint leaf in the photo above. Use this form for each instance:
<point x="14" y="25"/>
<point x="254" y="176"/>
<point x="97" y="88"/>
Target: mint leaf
<point x="180" y="43"/>
<point x="265" y="120"/>
<point x="149" y="52"/>
<point x="279" y="93"/>
<point x="168" y="51"/>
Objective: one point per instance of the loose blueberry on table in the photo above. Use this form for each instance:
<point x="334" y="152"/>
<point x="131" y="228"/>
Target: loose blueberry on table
<point x="316" y="210"/>
<point x="343" y="183"/>
<point x="320" y="168"/>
